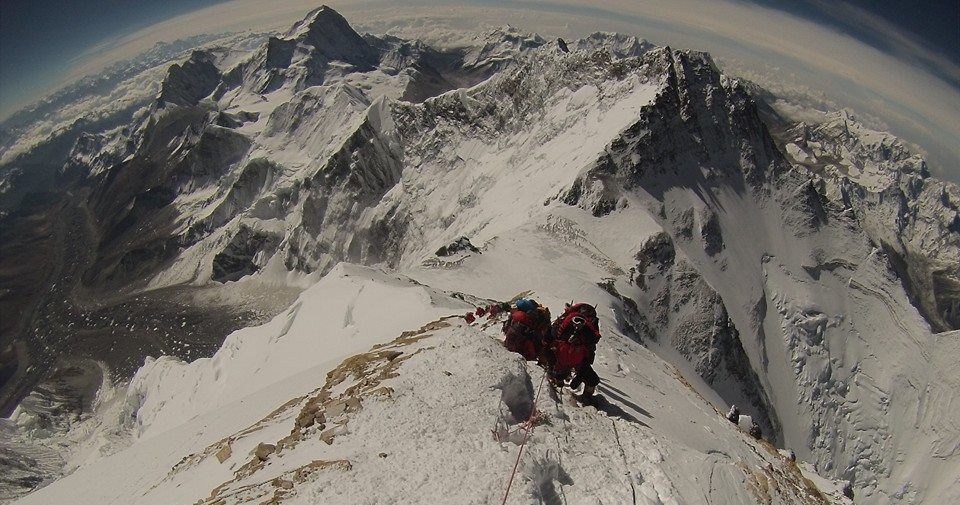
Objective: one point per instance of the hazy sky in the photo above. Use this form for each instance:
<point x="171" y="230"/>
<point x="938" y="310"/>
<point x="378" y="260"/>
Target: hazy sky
<point x="40" y="40"/>
<point x="897" y="61"/>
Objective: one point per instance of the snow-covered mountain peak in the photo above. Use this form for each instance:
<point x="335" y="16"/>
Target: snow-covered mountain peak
<point x="509" y="34"/>
<point x="498" y="44"/>
<point x="322" y="18"/>
<point x="620" y="45"/>
<point x="888" y="189"/>
<point x="330" y="35"/>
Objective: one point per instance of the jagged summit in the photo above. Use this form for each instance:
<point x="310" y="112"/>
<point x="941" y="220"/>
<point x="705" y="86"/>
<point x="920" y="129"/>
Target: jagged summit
<point x="323" y="17"/>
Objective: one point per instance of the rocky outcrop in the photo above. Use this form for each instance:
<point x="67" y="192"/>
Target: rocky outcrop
<point x="710" y="232"/>
<point x="654" y="258"/>
<point x="246" y="253"/>
<point x="462" y="244"/>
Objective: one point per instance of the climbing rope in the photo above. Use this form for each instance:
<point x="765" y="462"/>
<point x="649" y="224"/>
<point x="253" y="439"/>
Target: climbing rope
<point x="527" y="426"/>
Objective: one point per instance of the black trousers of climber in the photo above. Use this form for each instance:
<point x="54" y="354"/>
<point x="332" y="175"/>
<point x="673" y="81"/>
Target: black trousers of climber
<point x="585" y="375"/>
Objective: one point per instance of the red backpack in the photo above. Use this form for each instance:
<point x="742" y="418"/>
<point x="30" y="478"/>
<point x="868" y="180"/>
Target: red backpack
<point x="525" y="330"/>
<point x="575" y="336"/>
<point x="579" y="323"/>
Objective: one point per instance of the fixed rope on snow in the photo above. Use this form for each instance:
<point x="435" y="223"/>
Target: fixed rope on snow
<point x="500" y="435"/>
<point x="527" y="426"/>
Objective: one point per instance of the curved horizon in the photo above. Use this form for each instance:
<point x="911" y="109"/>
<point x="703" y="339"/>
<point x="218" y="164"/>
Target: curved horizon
<point x="906" y="88"/>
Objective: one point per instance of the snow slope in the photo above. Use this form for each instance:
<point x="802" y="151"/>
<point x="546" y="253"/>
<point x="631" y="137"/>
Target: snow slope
<point x="411" y="420"/>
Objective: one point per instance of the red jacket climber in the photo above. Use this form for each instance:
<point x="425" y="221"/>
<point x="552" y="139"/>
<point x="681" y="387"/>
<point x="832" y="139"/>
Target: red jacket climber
<point x="572" y="346"/>
<point x="525" y="329"/>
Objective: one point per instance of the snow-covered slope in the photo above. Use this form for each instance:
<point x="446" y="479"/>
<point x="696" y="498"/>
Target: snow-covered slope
<point x="416" y="419"/>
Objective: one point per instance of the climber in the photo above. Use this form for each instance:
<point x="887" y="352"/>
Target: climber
<point x="848" y="489"/>
<point x="755" y="431"/>
<point x="526" y="328"/>
<point x="734" y="415"/>
<point x="572" y="346"/>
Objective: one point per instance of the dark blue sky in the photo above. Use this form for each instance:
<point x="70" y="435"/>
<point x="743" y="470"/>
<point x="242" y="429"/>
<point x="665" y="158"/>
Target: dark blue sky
<point x="934" y="23"/>
<point x="937" y="22"/>
<point x="38" y="38"/>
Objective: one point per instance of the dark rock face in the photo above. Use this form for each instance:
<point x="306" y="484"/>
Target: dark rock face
<point x="591" y="192"/>
<point x="706" y="333"/>
<point x="244" y="255"/>
<point x="657" y="252"/>
<point x="806" y="207"/>
<point x="630" y="318"/>
<point x="682" y="222"/>
<point x="690" y="316"/>
<point x="710" y="232"/>
<point x="212" y="155"/>
<point x="462" y="244"/>
<point x="278" y="52"/>
<point x="187" y="83"/>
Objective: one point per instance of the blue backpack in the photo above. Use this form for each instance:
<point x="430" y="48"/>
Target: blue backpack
<point x="526" y="304"/>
